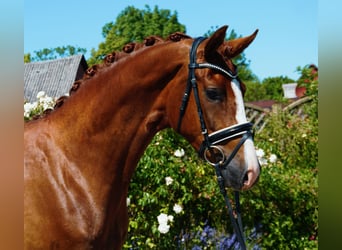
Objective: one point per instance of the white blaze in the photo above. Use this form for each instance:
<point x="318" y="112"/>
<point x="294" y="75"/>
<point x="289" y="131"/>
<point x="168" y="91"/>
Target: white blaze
<point x="249" y="149"/>
<point x="240" y="107"/>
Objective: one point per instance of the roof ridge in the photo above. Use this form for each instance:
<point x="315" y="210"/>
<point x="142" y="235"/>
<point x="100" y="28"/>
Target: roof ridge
<point x="77" y="56"/>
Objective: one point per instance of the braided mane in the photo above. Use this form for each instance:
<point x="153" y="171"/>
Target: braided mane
<point x="109" y="60"/>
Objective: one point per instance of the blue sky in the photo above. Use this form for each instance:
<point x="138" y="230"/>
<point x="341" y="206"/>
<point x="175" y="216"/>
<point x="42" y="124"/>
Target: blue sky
<point x="288" y="29"/>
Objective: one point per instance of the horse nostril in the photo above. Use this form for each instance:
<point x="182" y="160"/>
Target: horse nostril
<point x="245" y="178"/>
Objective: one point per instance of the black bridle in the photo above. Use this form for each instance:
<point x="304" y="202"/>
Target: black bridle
<point x="226" y="134"/>
<point x="210" y="141"/>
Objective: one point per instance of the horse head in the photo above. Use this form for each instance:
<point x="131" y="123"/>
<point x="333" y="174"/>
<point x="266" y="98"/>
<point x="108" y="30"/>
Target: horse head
<point x="212" y="114"/>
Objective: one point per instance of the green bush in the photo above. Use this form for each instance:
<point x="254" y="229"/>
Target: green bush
<point x="163" y="180"/>
<point x="284" y="201"/>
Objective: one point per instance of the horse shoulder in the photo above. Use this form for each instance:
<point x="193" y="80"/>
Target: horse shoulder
<point x="57" y="198"/>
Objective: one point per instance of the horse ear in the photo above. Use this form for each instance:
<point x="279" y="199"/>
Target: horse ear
<point x="215" y="41"/>
<point x="236" y="46"/>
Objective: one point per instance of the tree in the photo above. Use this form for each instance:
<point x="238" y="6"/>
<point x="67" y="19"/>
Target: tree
<point x="309" y="79"/>
<point x="273" y="87"/>
<point x="255" y="91"/>
<point x="27" y="58"/>
<point x="53" y="53"/>
<point x="133" y="25"/>
<point x="269" y="89"/>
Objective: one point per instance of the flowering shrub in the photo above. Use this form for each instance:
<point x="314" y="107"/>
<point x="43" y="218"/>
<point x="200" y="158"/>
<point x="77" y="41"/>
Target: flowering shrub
<point x="284" y="201"/>
<point x="288" y="188"/>
<point x="163" y="182"/>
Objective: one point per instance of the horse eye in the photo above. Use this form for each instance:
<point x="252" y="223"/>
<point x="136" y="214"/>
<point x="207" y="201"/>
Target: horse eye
<point x="214" y="95"/>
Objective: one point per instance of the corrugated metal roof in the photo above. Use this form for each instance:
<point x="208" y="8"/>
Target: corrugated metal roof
<point x="55" y="77"/>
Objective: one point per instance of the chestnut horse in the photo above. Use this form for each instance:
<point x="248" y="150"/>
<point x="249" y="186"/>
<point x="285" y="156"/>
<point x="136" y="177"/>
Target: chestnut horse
<point x="79" y="158"/>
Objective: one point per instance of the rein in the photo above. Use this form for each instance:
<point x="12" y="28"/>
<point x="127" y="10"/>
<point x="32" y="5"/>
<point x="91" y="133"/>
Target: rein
<point x="210" y="141"/>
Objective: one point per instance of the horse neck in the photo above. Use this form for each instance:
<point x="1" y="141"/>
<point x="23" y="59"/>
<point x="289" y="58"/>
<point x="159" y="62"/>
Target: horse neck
<point x="110" y="120"/>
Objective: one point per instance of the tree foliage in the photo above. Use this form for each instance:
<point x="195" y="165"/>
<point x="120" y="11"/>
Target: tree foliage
<point x="273" y="87"/>
<point x="309" y="79"/>
<point x="269" y="89"/>
<point x="53" y="53"/>
<point x="133" y="25"/>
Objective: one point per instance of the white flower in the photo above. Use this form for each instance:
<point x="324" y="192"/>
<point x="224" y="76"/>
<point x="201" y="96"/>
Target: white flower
<point x="170" y="218"/>
<point x="47" y="99"/>
<point x="41" y="94"/>
<point x="162" y="218"/>
<point x="163" y="228"/>
<point x="304" y="135"/>
<point x="168" y="180"/>
<point x="47" y="102"/>
<point x="260" y="153"/>
<point x="177" y="208"/>
<point x="273" y="158"/>
<point x="29" y="107"/>
<point x="262" y="161"/>
<point x="179" y="153"/>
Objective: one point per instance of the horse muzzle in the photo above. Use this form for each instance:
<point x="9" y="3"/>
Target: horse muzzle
<point x="235" y="176"/>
